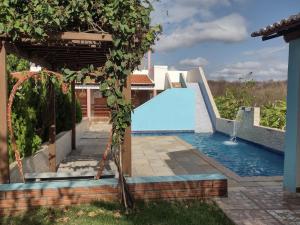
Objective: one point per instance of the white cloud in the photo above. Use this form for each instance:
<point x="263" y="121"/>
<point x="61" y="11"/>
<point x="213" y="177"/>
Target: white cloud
<point x="257" y="70"/>
<point x="231" y="28"/>
<point x="175" y="11"/>
<point x="196" y="62"/>
<point x="265" y="52"/>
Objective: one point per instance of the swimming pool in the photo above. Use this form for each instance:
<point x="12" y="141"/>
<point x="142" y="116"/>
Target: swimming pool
<point x="244" y="158"/>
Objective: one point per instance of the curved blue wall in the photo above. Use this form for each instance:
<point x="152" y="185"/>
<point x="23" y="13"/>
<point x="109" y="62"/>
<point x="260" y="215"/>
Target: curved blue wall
<point x="172" y="110"/>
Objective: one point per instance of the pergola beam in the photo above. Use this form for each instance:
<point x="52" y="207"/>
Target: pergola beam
<point x="72" y="36"/>
<point x="80" y="36"/>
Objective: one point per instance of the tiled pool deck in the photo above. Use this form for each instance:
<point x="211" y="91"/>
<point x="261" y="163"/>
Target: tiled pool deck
<point x="250" y="201"/>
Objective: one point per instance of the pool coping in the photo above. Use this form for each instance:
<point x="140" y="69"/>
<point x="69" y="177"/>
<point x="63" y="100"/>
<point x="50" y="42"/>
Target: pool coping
<point x="224" y="170"/>
<point x="113" y="182"/>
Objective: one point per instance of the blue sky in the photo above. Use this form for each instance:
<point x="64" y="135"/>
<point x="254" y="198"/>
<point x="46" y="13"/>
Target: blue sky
<point x="216" y="35"/>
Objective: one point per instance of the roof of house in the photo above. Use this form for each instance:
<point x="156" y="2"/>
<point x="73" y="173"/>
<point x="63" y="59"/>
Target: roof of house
<point x="141" y="80"/>
<point x="283" y="27"/>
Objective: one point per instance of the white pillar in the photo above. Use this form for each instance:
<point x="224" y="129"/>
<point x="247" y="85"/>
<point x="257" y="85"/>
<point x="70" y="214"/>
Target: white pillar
<point x="154" y="92"/>
<point x="89" y="103"/>
<point x="292" y="139"/>
<point x="149" y="60"/>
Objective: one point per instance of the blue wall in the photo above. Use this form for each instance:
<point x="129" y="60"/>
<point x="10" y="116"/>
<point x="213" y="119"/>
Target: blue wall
<point x="172" y="110"/>
<point x="292" y="136"/>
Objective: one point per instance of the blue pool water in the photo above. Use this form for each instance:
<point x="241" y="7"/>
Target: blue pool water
<point x="243" y="158"/>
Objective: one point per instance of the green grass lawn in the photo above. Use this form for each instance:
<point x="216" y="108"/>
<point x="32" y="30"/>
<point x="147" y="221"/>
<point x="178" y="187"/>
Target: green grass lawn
<point x="162" y="213"/>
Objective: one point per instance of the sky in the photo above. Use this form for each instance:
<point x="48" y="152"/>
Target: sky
<point x="216" y="34"/>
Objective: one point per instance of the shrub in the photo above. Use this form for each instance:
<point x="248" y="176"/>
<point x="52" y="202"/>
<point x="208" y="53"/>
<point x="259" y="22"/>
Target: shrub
<point x="30" y="112"/>
<point x="237" y="94"/>
<point x="274" y="115"/>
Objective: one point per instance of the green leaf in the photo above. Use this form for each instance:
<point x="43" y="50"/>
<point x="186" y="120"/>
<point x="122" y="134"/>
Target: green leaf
<point x="57" y="21"/>
<point x="111" y="100"/>
<point x="39" y="31"/>
<point x="103" y="87"/>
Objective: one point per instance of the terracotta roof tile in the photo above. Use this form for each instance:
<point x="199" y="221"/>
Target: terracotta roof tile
<point x="279" y="28"/>
<point x="140" y="79"/>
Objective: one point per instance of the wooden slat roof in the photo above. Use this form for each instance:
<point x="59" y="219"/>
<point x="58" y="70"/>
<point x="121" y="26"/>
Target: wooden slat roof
<point x="68" y="49"/>
<point x="282" y="28"/>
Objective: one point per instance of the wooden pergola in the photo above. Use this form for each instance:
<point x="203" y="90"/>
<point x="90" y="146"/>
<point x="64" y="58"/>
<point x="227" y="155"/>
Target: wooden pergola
<point x="73" y="50"/>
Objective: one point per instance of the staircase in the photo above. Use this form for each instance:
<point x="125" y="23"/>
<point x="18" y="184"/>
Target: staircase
<point x="203" y="122"/>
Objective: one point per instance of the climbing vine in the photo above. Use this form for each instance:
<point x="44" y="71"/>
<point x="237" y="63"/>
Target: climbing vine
<point x="129" y="23"/>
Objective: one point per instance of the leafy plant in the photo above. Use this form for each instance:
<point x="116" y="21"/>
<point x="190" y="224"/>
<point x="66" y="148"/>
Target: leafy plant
<point x="274" y="115"/>
<point x="228" y="105"/>
<point x="16" y="64"/>
<point x="30" y="120"/>
<point x="129" y="23"/>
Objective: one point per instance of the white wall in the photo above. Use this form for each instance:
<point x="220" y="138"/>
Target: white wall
<point x="159" y="73"/>
<point x="139" y="72"/>
<point x="197" y="76"/>
<point x="175" y="74"/>
<point x="250" y="130"/>
<point x="39" y="162"/>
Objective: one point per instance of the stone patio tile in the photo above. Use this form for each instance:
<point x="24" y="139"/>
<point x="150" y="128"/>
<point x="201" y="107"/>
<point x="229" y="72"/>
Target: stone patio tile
<point x="250" y="184"/>
<point x="232" y="183"/>
<point x="179" y="171"/>
<point x="161" y="170"/>
<point x="286" y="216"/>
<point x="273" y="198"/>
<point x="251" y="217"/>
<point x="142" y="171"/>
<point x="236" y="200"/>
<point x="172" y="165"/>
<point x="163" y="156"/>
<point x="271" y="183"/>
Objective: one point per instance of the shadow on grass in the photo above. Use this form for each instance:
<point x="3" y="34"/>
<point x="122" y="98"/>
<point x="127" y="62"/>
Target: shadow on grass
<point x="193" y="212"/>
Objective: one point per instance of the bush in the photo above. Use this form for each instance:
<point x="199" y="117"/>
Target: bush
<point x="274" y="115"/>
<point x="228" y="105"/>
<point x="30" y="112"/>
<point x="234" y="98"/>
<point x="273" y="112"/>
<point x="64" y="110"/>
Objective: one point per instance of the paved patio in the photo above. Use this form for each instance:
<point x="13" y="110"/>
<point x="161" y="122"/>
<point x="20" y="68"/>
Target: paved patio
<point x="166" y="155"/>
<point x="250" y="201"/>
<point x="85" y="159"/>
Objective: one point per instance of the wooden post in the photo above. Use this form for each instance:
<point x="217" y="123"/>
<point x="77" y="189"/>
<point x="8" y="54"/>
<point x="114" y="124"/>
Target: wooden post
<point x="73" y="115"/>
<point x="4" y="160"/>
<point x="126" y="149"/>
<point x="88" y="104"/>
<point x="52" y="130"/>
